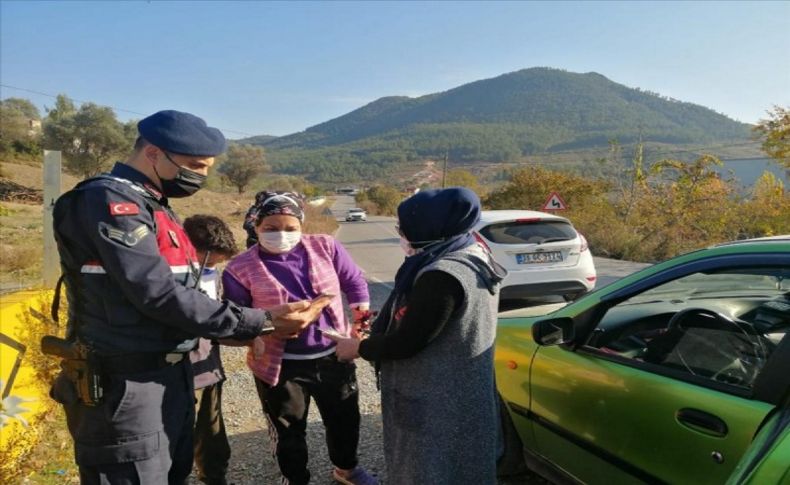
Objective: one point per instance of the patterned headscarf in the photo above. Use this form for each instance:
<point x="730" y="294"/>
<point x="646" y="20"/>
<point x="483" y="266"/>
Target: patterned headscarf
<point x="268" y="203"/>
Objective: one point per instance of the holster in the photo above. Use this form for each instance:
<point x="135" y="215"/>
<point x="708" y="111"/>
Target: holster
<point x="87" y="380"/>
<point x="79" y="366"/>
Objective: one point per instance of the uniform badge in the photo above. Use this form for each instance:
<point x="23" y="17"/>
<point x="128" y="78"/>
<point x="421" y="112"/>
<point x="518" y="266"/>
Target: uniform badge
<point x="130" y="238"/>
<point x="124" y="209"/>
<point x="150" y="188"/>
<point x="174" y="238"/>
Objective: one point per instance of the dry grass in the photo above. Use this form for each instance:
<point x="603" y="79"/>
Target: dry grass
<point x="32" y="176"/>
<point x="21" y="244"/>
<point x="318" y="220"/>
<point x="52" y="461"/>
<point x="21" y="227"/>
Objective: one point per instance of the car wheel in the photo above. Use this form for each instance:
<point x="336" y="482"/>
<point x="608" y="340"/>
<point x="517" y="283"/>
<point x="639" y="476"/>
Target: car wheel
<point x="573" y="296"/>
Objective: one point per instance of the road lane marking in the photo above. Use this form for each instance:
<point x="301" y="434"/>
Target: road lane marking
<point x="380" y="282"/>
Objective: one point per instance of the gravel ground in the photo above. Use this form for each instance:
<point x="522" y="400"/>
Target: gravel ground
<point x="252" y="460"/>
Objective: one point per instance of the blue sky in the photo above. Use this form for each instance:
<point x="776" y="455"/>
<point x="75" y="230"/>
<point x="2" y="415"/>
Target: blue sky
<point x="278" y="68"/>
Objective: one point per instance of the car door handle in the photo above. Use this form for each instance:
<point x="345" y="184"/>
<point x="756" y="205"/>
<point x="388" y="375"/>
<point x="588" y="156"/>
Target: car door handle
<point x="702" y="421"/>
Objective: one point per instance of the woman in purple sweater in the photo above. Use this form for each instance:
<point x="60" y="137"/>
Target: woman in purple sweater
<point x="287" y="265"/>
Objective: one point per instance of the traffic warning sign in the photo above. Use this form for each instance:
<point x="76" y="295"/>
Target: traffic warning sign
<point x="554" y="203"/>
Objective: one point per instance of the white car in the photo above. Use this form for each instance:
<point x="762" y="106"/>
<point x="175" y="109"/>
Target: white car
<point x="543" y="253"/>
<point x="356" y="214"/>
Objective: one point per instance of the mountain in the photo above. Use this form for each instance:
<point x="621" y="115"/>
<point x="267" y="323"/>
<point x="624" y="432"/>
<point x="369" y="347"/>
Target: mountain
<point x="256" y="140"/>
<point x="527" y="112"/>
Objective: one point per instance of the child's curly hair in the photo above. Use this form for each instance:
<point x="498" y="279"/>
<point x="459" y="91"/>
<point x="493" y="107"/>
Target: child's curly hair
<point x="210" y="233"/>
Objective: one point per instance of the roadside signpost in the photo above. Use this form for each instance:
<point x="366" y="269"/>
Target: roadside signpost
<point x="52" y="170"/>
<point x="554" y="203"/>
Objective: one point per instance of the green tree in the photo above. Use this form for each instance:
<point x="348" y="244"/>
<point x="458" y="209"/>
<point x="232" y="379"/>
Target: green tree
<point x="382" y="199"/>
<point x="775" y="135"/>
<point x="242" y="164"/>
<point x="17" y="134"/>
<point x="684" y="206"/>
<point x="530" y="187"/>
<point x="64" y="108"/>
<point x="766" y="212"/>
<point x="25" y="106"/>
<point x="459" y="177"/>
<point x="89" y="137"/>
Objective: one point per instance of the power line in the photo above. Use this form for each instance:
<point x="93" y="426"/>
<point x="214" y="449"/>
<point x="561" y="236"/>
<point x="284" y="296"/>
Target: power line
<point x="105" y="105"/>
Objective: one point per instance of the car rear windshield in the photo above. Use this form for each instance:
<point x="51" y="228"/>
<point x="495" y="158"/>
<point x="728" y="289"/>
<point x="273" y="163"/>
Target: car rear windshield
<point x="528" y="232"/>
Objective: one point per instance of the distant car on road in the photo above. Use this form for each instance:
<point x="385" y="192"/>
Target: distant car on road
<point x="674" y="374"/>
<point x="356" y="214"/>
<point x="543" y="253"/>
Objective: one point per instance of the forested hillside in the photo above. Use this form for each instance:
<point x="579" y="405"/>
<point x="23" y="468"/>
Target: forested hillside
<point x="528" y="112"/>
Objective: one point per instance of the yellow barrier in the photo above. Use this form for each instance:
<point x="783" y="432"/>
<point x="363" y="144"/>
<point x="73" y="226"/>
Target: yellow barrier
<point x="22" y="322"/>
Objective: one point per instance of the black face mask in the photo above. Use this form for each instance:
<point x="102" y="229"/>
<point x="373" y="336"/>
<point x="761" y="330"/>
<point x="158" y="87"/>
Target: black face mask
<point x="185" y="183"/>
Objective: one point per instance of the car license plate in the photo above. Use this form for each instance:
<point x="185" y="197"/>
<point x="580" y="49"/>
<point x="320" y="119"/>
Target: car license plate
<point x="545" y="257"/>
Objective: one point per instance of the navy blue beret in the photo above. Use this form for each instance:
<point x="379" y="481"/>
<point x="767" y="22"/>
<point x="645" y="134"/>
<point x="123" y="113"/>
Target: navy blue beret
<point x="182" y="133"/>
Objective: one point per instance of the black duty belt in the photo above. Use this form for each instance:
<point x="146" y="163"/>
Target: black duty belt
<point x="136" y="363"/>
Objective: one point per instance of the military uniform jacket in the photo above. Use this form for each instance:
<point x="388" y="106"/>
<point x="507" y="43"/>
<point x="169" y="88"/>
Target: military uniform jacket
<point x="130" y="271"/>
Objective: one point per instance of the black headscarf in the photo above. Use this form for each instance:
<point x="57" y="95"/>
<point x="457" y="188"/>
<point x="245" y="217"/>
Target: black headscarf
<point x="436" y="222"/>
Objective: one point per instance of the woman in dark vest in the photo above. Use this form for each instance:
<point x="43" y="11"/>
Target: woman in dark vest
<point x="433" y="343"/>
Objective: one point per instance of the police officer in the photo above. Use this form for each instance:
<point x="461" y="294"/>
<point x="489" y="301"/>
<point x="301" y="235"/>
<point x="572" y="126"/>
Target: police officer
<point x="131" y="274"/>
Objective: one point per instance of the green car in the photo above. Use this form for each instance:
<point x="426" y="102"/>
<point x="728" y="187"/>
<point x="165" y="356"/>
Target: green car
<point x="679" y="373"/>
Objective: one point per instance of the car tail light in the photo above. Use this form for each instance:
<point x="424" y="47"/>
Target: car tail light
<point x="591" y="278"/>
<point x="480" y="239"/>
<point x="585" y="246"/>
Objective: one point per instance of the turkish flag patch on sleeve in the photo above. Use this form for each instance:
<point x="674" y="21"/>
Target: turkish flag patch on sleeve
<point x="124" y="209"/>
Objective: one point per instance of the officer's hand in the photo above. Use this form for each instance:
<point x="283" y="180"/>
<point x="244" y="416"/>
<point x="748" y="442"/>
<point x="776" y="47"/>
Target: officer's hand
<point x="291" y="318"/>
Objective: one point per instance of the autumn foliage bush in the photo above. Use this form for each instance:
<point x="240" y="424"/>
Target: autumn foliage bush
<point x="653" y="213"/>
<point x="380" y="200"/>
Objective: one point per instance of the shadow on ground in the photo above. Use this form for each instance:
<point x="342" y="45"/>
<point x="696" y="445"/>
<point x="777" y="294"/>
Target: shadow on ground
<point x="252" y="462"/>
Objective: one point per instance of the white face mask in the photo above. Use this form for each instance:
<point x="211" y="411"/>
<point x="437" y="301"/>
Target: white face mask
<point x="279" y="242"/>
<point x="406" y="246"/>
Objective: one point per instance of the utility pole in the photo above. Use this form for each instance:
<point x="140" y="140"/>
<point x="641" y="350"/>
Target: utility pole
<point x="444" y="169"/>
<point x="52" y="170"/>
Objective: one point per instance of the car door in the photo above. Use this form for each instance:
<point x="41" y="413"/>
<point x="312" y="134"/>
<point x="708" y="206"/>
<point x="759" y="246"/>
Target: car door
<point x="768" y="457"/>
<point x="610" y="411"/>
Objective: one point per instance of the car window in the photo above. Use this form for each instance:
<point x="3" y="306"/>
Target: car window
<point x="528" y="232"/>
<point x="721" y="327"/>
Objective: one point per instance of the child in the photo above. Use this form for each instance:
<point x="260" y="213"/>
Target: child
<point x="214" y="244"/>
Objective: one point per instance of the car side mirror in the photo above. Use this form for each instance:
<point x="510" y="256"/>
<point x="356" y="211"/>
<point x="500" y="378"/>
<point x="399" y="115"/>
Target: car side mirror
<point x="554" y="331"/>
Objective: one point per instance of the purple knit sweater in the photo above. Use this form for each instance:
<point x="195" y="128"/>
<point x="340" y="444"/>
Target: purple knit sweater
<point x="291" y="270"/>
